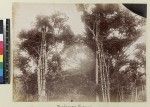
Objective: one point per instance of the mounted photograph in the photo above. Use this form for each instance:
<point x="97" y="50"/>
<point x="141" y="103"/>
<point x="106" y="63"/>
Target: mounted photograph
<point x="79" y="52"/>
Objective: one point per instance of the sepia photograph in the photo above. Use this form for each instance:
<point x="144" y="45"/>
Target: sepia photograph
<point x="78" y="53"/>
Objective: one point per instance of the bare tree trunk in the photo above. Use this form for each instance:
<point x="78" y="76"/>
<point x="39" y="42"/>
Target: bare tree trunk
<point x="142" y="89"/>
<point x="97" y="77"/>
<point x="118" y="93"/>
<point x="100" y="67"/>
<point x="103" y="67"/>
<point x="39" y="76"/>
<point x="132" y="93"/>
<point x="136" y="93"/>
<point x="133" y="98"/>
<point x="108" y="77"/>
<point x="42" y="69"/>
<point x="122" y="94"/>
<point x="143" y="92"/>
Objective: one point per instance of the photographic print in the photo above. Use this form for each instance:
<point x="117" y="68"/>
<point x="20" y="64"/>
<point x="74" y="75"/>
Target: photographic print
<point x="78" y="53"/>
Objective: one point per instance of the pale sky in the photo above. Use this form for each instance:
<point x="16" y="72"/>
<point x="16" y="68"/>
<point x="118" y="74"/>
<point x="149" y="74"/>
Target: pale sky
<point x="24" y="15"/>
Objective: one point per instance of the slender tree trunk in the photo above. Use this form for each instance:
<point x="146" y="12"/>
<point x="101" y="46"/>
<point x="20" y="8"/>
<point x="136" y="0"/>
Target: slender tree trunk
<point x="122" y="94"/>
<point x="143" y="92"/>
<point x="132" y="93"/>
<point x="103" y="67"/>
<point x="39" y="76"/>
<point x="42" y="69"/>
<point x="133" y="97"/>
<point x="142" y="89"/>
<point x="119" y="95"/>
<point x="136" y="93"/>
<point x="97" y="77"/>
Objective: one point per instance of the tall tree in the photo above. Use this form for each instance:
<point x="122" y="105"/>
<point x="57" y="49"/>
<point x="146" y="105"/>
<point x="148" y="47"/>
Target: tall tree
<point x="110" y="30"/>
<point x="38" y="41"/>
